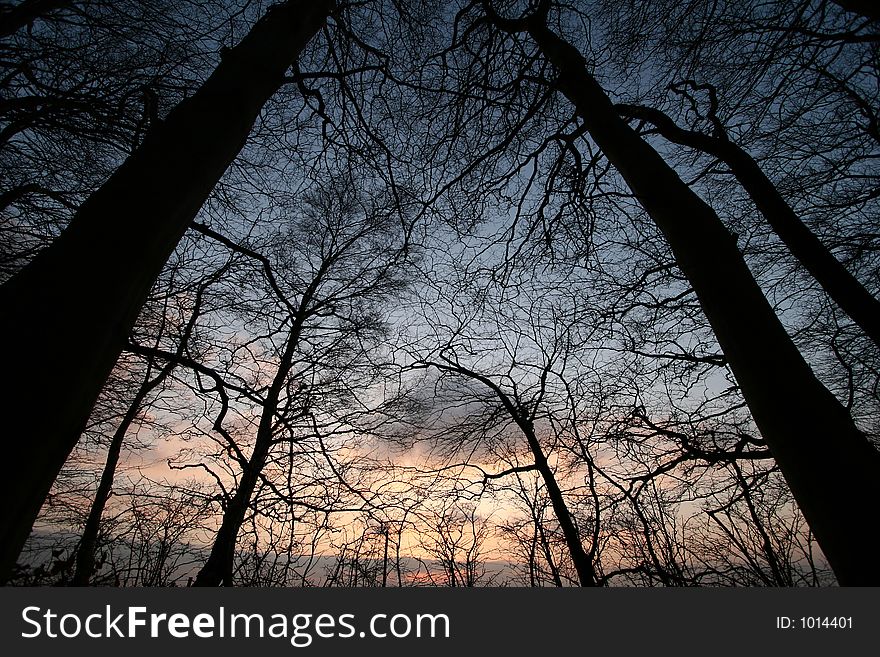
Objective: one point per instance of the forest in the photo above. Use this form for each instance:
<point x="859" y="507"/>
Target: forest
<point x="383" y="293"/>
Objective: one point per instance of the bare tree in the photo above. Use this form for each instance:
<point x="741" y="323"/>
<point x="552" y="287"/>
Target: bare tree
<point x="523" y="416"/>
<point x="93" y="285"/>
<point x="770" y="371"/>
<point x="154" y="376"/>
<point x="323" y="310"/>
<point x="455" y="538"/>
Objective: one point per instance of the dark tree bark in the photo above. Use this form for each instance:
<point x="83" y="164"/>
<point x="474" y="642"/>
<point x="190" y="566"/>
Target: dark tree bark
<point x="831" y="468"/>
<point x="867" y="8"/>
<point x="26" y="12"/>
<point x="841" y="286"/>
<point x="71" y="309"/>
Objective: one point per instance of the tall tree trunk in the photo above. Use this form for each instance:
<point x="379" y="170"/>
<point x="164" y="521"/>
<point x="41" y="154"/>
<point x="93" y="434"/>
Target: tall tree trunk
<point x="385" y="558"/>
<point x="69" y="312"/>
<point x="841" y="286"/>
<point x="831" y="468"/>
<point x="85" y="554"/>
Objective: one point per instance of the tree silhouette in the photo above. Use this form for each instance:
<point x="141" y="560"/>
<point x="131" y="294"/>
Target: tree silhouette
<point x="94" y="278"/>
<point x="771" y="372"/>
<point x="338" y="275"/>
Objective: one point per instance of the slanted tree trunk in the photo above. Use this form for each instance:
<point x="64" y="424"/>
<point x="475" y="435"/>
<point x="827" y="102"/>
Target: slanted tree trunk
<point x="217" y="570"/>
<point x="841" y="286"/>
<point x="831" y="468"/>
<point x="66" y="316"/>
<point x="85" y="554"/>
<point x="582" y="561"/>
